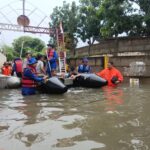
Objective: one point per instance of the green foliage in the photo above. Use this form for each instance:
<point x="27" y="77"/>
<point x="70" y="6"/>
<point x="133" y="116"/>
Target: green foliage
<point x="145" y="15"/>
<point x="89" y="23"/>
<point x="121" y="16"/>
<point x="8" y="51"/>
<point x="115" y="17"/>
<point x="27" y="43"/>
<point x="96" y="19"/>
<point x="68" y="15"/>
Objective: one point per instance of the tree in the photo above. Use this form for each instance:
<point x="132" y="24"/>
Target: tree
<point x="143" y="17"/>
<point x="121" y="16"/>
<point x="89" y="23"/>
<point x="8" y="51"/>
<point x="68" y="15"/>
<point x="116" y="17"/>
<point x="27" y="43"/>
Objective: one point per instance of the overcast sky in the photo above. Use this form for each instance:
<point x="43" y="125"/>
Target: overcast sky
<point x="12" y="9"/>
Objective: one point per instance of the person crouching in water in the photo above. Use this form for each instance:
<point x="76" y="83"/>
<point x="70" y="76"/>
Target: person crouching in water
<point x="111" y="74"/>
<point x="30" y="79"/>
<point x="84" y="67"/>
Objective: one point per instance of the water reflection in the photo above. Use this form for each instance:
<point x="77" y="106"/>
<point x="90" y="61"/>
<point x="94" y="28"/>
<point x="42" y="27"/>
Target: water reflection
<point x="77" y="120"/>
<point x="113" y="97"/>
<point x="29" y="109"/>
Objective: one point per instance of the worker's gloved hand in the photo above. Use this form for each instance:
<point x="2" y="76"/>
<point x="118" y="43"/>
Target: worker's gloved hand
<point x="115" y="80"/>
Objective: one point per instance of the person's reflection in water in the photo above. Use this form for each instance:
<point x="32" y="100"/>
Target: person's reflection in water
<point x="31" y="109"/>
<point x="113" y="96"/>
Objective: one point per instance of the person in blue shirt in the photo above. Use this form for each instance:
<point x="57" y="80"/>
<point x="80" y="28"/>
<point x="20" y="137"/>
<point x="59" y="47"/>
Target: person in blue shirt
<point x="52" y="57"/>
<point x="84" y="67"/>
<point x="30" y="78"/>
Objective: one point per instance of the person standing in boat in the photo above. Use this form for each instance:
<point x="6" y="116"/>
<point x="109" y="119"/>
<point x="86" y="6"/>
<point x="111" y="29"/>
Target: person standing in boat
<point x="30" y="78"/>
<point x="52" y="58"/>
<point x="84" y="67"/>
<point x="17" y="67"/>
<point x="111" y="74"/>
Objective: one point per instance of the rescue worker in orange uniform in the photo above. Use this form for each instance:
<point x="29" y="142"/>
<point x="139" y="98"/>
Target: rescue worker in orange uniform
<point x="6" y="69"/>
<point x="111" y="74"/>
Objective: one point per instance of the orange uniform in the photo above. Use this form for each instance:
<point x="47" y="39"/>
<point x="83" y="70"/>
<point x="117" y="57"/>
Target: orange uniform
<point x="6" y="70"/>
<point x="108" y="74"/>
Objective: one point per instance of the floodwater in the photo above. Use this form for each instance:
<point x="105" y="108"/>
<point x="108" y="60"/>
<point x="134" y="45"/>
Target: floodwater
<point x="81" y="119"/>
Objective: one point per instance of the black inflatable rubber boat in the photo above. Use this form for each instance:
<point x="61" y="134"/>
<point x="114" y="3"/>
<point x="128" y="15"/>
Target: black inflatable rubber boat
<point x="89" y="80"/>
<point x="53" y="86"/>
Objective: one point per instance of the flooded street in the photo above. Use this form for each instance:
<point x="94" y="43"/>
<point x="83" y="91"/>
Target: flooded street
<point x="81" y="119"/>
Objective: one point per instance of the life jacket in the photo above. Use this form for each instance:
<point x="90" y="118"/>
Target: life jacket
<point x="51" y="53"/>
<point x="84" y="69"/>
<point x="6" y="70"/>
<point x="27" y="82"/>
<point x="18" y="66"/>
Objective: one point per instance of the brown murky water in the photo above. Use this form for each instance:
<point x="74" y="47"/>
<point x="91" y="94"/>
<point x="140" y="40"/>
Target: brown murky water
<point x="81" y="119"/>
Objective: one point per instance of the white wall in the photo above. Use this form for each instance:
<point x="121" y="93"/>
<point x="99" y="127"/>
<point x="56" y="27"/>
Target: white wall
<point x="2" y="59"/>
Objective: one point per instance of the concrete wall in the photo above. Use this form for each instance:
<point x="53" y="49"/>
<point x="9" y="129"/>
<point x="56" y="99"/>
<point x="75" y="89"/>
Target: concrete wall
<point x="115" y="46"/>
<point x="130" y="55"/>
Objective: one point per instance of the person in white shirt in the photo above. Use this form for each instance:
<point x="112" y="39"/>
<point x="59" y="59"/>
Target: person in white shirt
<point x="25" y="61"/>
<point x="40" y="65"/>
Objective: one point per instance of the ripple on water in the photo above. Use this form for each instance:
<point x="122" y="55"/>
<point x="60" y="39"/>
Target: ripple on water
<point x="76" y="120"/>
<point x="68" y="144"/>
